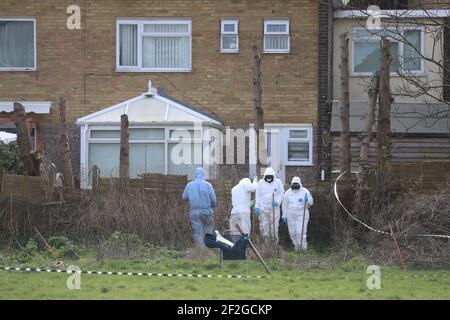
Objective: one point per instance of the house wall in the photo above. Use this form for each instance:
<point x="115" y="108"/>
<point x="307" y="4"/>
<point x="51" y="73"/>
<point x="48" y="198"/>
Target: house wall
<point x="433" y="48"/>
<point x="80" y="64"/>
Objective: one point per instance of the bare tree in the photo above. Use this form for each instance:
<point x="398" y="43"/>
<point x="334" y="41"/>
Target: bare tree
<point x="345" y="106"/>
<point x="65" y="146"/>
<point x="124" y="147"/>
<point x="384" y="111"/>
<point x="31" y="166"/>
<point x="258" y="110"/>
<point x="366" y="138"/>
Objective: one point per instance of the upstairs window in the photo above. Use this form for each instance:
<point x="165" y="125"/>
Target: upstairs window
<point x="406" y="47"/>
<point x="276" y="36"/>
<point x="229" y="36"/>
<point x="17" y="44"/>
<point x="154" y="45"/>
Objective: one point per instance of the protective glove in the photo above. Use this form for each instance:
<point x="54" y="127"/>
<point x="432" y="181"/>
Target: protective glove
<point x="257" y="211"/>
<point x="274" y="204"/>
<point x="285" y="219"/>
<point x="306" y="197"/>
<point x="252" y="203"/>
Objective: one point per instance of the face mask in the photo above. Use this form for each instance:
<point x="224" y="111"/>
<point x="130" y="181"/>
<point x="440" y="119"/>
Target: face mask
<point x="268" y="179"/>
<point x="295" y="186"/>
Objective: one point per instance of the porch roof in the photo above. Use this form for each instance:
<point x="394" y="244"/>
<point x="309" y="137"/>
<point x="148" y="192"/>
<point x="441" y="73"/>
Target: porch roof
<point x="153" y="108"/>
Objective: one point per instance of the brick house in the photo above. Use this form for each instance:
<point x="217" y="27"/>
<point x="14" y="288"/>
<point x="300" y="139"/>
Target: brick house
<point x="198" y="57"/>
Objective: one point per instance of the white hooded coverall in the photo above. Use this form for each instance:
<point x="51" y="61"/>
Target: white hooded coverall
<point x="241" y="196"/>
<point x="266" y="193"/>
<point x="293" y="207"/>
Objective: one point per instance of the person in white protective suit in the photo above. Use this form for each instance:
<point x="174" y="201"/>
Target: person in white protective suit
<point x="241" y="199"/>
<point x="269" y="195"/>
<point x="294" y="202"/>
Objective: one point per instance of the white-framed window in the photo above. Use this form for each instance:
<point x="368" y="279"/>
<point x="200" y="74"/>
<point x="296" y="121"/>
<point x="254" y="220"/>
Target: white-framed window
<point x="154" y="45"/>
<point x="17" y="44"/>
<point x="299" y="146"/>
<point x="229" y="36"/>
<point x="276" y="36"/>
<point x="166" y="150"/>
<point x="406" y="47"/>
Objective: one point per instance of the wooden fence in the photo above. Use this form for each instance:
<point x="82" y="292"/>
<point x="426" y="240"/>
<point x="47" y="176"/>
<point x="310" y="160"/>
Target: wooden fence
<point x="32" y="189"/>
<point x="412" y="176"/>
<point x="422" y="175"/>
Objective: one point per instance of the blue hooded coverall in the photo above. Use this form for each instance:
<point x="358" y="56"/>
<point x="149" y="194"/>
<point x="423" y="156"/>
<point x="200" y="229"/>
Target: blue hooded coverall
<point x="202" y="201"/>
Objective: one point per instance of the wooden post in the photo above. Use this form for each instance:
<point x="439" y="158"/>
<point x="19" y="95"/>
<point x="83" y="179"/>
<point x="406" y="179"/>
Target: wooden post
<point x="254" y="249"/>
<point x="258" y="110"/>
<point x="366" y="138"/>
<point x="124" y="147"/>
<point x="65" y="146"/>
<point x="345" y="107"/>
<point x="31" y="168"/>
<point x="95" y="178"/>
<point x="384" y="112"/>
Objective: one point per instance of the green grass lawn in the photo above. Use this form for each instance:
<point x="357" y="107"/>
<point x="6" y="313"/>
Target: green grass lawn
<point x="289" y="281"/>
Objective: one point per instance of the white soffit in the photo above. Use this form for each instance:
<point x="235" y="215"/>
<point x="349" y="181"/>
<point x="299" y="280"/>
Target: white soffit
<point x="38" y="107"/>
<point x="393" y="14"/>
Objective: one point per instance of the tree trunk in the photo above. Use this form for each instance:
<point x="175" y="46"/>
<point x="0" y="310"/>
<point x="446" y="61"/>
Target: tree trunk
<point x="124" y="147"/>
<point x="384" y="112"/>
<point x="345" y="107"/>
<point x="65" y="146"/>
<point x="258" y="110"/>
<point x="31" y="168"/>
<point x="366" y="138"/>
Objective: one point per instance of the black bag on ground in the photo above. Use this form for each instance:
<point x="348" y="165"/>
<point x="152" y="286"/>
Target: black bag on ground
<point x="237" y="252"/>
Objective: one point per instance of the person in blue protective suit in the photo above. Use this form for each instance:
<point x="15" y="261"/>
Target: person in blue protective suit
<point x="269" y="195"/>
<point x="202" y="200"/>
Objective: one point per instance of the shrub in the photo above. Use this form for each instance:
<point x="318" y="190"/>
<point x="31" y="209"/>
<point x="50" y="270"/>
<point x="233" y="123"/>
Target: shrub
<point x="64" y="248"/>
<point x="122" y="245"/>
<point x="10" y="158"/>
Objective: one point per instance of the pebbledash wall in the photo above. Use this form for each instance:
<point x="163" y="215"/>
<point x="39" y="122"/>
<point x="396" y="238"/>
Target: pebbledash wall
<point x="81" y="64"/>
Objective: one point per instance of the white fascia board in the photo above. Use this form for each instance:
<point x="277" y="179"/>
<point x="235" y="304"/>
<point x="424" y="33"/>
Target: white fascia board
<point x="83" y="120"/>
<point x="38" y="107"/>
<point x="392" y="14"/>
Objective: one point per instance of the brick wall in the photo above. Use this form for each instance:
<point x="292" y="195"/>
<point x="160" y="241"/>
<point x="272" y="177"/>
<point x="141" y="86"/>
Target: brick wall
<point x="80" y="64"/>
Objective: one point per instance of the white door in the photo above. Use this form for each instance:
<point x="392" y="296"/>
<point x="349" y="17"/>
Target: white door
<point x="275" y="151"/>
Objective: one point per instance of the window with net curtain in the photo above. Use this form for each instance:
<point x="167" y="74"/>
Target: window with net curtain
<point x="164" y="45"/>
<point x="229" y="37"/>
<point x="148" y="152"/>
<point x="17" y="48"/>
<point x="405" y="47"/>
<point x="276" y="36"/>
